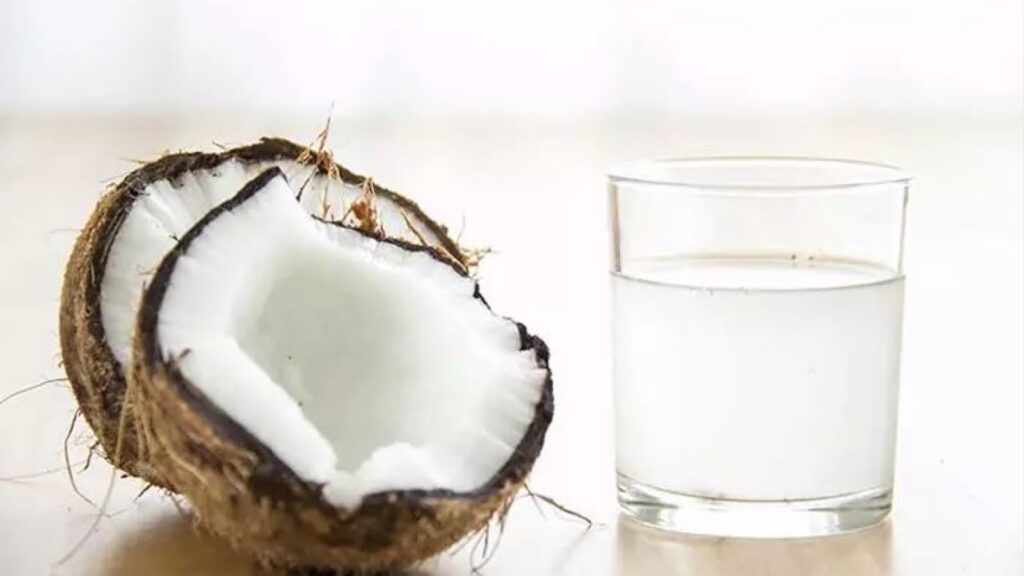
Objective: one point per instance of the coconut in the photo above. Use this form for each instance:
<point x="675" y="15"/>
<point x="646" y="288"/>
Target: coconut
<point x="327" y="398"/>
<point x="143" y="216"/>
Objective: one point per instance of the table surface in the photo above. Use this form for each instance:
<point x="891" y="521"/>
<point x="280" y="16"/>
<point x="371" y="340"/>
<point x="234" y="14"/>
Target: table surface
<point x="534" y="190"/>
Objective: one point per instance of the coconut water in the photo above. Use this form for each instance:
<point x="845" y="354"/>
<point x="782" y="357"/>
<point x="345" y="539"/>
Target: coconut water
<point x="756" y="378"/>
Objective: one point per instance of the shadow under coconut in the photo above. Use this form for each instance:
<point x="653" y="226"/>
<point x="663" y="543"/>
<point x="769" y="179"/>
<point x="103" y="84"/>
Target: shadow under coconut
<point x="643" y="550"/>
<point x="173" y="546"/>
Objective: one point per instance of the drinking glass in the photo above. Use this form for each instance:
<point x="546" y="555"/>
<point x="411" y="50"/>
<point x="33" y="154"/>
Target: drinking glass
<point x="757" y="319"/>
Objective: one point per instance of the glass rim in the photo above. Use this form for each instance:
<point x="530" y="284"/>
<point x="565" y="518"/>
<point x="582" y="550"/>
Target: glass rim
<point x="645" y="172"/>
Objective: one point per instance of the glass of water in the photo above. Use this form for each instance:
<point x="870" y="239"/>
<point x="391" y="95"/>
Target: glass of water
<point x="757" y="318"/>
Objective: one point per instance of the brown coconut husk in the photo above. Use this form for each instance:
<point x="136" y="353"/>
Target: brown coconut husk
<point x="243" y="492"/>
<point x="97" y="378"/>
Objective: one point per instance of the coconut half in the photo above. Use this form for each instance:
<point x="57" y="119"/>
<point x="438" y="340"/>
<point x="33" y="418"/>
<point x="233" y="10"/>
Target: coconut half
<point x="330" y="399"/>
<point x="142" y="218"/>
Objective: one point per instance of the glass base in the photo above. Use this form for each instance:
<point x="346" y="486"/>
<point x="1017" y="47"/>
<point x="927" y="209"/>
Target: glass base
<point x="752" y="518"/>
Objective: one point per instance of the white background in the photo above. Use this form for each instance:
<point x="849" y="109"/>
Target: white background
<point x="528" y="57"/>
<point x="507" y="114"/>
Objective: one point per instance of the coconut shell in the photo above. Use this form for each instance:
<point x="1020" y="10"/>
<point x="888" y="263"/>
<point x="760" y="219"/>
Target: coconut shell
<point x="242" y="492"/>
<point x="245" y="493"/>
<point x="97" y="378"/>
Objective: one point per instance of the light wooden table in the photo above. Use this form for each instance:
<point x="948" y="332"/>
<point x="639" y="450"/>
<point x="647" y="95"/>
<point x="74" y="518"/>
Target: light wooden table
<point x="535" y="192"/>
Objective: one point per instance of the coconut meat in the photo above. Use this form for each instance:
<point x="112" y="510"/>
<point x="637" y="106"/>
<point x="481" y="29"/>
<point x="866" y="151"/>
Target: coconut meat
<point x="165" y="210"/>
<point x="362" y="365"/>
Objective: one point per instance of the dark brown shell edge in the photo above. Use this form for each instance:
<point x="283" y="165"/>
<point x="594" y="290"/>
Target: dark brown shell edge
<point x="281" y="149"/>
<point x="96" y="377"/>
<point x="242" y="491"/>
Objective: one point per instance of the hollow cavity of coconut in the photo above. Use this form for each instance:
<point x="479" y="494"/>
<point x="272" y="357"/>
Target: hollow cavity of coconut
<point x="141" y="219"/>
<point x="329" y="399"/>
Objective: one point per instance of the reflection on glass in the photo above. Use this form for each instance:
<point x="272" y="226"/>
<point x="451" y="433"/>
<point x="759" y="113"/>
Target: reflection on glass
<point x="651" y="552"/>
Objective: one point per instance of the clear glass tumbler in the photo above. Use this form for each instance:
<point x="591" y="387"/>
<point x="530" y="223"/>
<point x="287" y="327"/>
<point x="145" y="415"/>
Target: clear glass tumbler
<point x="757" y="319"/>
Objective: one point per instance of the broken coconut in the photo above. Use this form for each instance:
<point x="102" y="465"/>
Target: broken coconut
<point x="329" y="399"/>
<point x="141" y="219"/>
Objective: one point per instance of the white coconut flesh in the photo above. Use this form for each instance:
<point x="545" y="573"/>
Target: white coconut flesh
<point x="362" y="365"/>
<point x="165" y="210"/>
